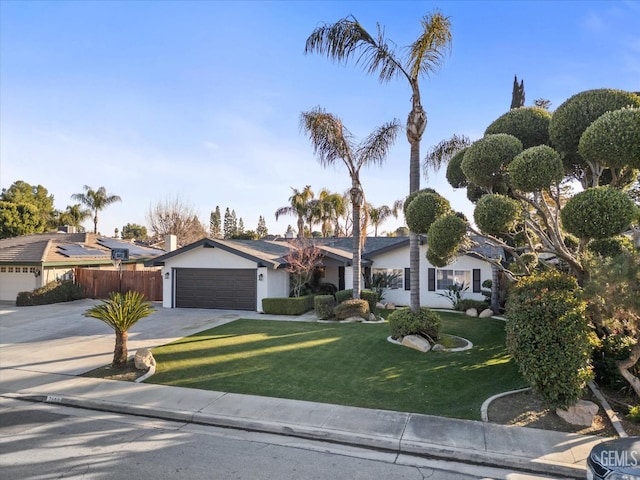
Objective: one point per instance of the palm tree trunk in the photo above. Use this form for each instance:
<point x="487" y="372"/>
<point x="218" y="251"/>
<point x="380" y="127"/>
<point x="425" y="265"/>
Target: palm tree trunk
<point x="356" y="200"/>
<point x="120" y="352"/>
<point x="300" y="227"/>
<point x="95" y="222"/>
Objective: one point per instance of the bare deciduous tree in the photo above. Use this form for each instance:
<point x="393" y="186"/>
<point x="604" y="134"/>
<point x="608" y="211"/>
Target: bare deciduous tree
<point x="302" y="260"/>
<point x="174" y="216"/>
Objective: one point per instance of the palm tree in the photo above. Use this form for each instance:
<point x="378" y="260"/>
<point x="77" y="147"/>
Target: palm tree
<point x="298" y="206"/>
<point x="330" y="207"/>
<point x="378" y="215"/>
<point x="74" y="215"/>
<point x="347" y="38"/>
<point x="332" y="142"/>
<point x="121" y="312"/>
<point x="95" y="200"/>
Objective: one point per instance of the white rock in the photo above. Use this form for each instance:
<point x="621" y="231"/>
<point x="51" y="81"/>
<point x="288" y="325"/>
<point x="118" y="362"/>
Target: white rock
<point x="438" y="348"/>
<point x="416" y="342"/>
<point x="352" y="320"/>
<point x="581" y="413"/>
<point x="372" y="317"/>
<point x="380" y="305"/>
<point x="390" y="306"/>
<point x="486" y="313"/>
<point x="472" y="312"/>
<point x="144" y="359"/>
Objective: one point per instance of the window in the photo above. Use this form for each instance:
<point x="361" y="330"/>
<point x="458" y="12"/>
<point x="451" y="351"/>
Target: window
<point x="32" y="269"/>
<point x="448" y="278"/>
<point x="394" y="278"/>
<point x="25" y="269"/>
<point x="10" y="269"/>
<point x="3" y="269"/>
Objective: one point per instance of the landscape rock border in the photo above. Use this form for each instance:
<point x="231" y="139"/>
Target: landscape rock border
<point x="468" y="346"/>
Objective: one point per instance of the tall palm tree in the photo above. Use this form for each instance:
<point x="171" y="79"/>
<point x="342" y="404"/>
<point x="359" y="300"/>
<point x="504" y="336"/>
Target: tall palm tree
<point x="95" y="200"/>
<point x="74" y="215"/>
<point x="121" y="312"/>
<point x="298" y="206"/>
<point x="331" y="206"/>
<point x="347" y="38"/>
<point x="378" y="215"/>
<point x="333" y="142"/>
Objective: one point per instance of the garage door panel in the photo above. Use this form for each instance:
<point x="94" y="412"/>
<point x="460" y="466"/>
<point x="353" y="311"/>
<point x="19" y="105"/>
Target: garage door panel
<point x="233" y="289"/>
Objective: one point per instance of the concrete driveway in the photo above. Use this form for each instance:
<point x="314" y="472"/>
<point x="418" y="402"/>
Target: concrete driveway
<point x="59" y="339"/>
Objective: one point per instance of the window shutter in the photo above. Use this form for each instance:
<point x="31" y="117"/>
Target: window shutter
<point x="432" y="280"/>
<point x="477" y="285"/>
<point x="407" y="279"/>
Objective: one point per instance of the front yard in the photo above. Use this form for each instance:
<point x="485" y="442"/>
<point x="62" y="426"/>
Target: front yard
<point x="347" y="364"/>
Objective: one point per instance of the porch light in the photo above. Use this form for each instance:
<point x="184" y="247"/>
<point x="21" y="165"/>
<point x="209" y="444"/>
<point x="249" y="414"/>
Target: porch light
<point x="260" y="277"/>
<point x="166" y="276"/>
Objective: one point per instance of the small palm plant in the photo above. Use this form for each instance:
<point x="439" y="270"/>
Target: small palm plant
<point x="121" y="312"/>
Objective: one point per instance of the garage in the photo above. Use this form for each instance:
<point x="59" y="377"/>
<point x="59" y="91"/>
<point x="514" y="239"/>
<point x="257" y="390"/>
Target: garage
<point x="221" y="288"/>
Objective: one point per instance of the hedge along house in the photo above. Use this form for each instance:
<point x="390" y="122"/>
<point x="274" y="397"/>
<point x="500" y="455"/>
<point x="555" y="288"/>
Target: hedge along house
<point x="238" y="274"/>
<point x="32" y="261"/>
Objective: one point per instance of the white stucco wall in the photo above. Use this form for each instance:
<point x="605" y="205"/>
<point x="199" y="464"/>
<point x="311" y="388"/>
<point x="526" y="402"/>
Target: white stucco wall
<point x="399" y="259"/>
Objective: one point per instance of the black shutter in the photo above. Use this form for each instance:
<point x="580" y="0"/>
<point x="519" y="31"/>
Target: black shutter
<point x="476" y="281"/>
<point x="432" y="280"/>
<point x="341" y="284"/>
<point x="407" y="279"/>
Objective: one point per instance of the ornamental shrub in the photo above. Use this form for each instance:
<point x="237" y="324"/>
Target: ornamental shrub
<point x="536" y="168"/>
<point x="403" y="322"/>
<point x="424" y="209"/>
<point x="342" y="295"/>
<point x="599" y="212"/>
<point x="530" y="125"/>
<point x="548" y="336"/>
<point x="495" y="214"/>
<point x="446" y="235"/>
<point x="371" y="297"/>
<point x="611" y="247"/>
<point x="485" y="160"/>
<point x="323" y="306"/>
<point x="53" y="292"/>
<point x="352" y="308"/>
<point x="287" y="305"/>
<point x="455" y="176"/>
<point x="607" y="352"/>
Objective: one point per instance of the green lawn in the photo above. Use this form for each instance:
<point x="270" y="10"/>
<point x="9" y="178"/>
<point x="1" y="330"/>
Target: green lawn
<point x="347" y="364"/>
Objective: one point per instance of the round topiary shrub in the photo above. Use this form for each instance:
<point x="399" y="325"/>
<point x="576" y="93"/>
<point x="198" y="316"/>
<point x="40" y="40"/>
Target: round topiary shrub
<point x="549" y="337"/>
<point x="424" y="209"/>
<point x="323" y="306"/>
<point x="599" y="212"/>
<point x="403" y="322"/>
<point x="485" y="160"/>
<point x="352" y="308"/>
<point x="495" y="214"/>
<point x="611" y="247"/>
<point x="445" y="237"/>
<point x="455" y="176"/>
<point x="535" y="169"/>
<point x="530" y="125"/>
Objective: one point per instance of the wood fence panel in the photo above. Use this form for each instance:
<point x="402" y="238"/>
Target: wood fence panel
<point x="99" y="283"/>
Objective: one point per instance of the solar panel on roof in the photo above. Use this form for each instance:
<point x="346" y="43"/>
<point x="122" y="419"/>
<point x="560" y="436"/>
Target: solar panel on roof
<point x="132" y="247"/>
<point x="80" y="251"/>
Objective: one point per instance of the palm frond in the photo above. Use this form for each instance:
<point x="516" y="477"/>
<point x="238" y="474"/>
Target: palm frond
<point x="375" y="147"/>
<point x="121" y="312"/>
<point x="346" y="38"/>
<point x="427" y="52"/>
<point x="443" y="152"/>
<point x="331" y="140"/>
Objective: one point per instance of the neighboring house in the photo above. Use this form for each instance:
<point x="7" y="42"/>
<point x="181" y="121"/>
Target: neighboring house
<point x="238" y="274"/>
<point x="31" y="261"/>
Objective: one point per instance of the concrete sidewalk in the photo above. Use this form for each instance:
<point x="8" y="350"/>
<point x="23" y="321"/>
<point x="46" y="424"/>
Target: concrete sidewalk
<point x="540" y="451"/>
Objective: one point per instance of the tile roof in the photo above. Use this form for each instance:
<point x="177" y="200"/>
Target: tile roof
<point x="66" y="248"/>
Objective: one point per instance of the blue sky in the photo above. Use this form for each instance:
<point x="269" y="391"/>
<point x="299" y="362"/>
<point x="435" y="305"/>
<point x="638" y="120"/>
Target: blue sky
<point x="201" y="100"/>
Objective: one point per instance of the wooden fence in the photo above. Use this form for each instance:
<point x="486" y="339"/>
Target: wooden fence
<point x="99" y="283"/>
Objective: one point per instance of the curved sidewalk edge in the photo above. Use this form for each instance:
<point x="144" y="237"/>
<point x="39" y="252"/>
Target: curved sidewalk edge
<point x="474" y="442"/>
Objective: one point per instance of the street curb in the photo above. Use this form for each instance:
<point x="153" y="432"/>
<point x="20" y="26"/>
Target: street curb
<point x="378" y="442"/>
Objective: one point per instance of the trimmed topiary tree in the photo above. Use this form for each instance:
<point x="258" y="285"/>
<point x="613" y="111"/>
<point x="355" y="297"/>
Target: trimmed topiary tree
<point x="535" y="169"/>
<point x="485" y="161"/>
<point x="599" y="212"/>
<point x="455" y="175"/>
<point x="352" y="308"/>
<point x="403" y="322"/>
<point x="530" y="125"/>
<point x="495" y="214"/>
<point x="548" y="336"/>
<point x="323" y="306"/>
<point x="424" y="209"/>
<point x="445" y="240"/>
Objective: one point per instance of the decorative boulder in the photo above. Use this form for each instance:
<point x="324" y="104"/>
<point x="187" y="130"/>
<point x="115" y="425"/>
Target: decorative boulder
<point x="472" y="312"/>
<point x="486" y="313"/>
<point x="390" y="306"/>
<point x="372" y="317"/>
<point x="416" y="342"/>
<point x="438" y="348"/>
<point x="144" y="359"/>
<point x="352" y="320"/>
<point x="380" y="305"/>
<point x="582" y="413"/>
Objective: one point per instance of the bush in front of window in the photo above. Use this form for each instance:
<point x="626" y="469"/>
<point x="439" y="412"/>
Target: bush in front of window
<point x="54" y="292"/>
<point x="370" y="296"/>
<point x="323" y="305"/>
<point x="403" y="322"/>
<point x="342" y="295"/>
<point x="352" y="308"/>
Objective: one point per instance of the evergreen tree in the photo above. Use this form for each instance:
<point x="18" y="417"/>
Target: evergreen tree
<point x="228" y="226"/>
<point x="234" y="223"/>
<point x="262" y="227"/>
<point x="517" y="96"/>
<point x="215" y="227"/>
<point x="240" y="229"/>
